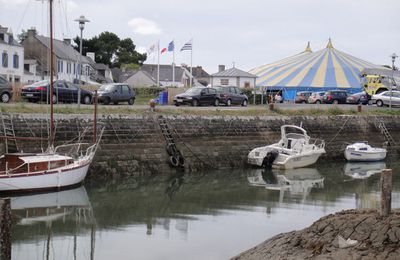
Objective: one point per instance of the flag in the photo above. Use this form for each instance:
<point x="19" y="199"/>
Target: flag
<point x="171" y="46"/>
<point x="163" y="50"/>
<point x="187" y="46"/>
<point x="151" y="49"/>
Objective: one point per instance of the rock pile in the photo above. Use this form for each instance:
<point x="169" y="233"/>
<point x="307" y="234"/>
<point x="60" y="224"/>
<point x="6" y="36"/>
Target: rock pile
<point x="378" y="238"/>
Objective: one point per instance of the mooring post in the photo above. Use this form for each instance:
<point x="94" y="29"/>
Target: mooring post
<point x="386" y="192"/>
<point x="271" y="106"/>
<point x="5" y="232"/>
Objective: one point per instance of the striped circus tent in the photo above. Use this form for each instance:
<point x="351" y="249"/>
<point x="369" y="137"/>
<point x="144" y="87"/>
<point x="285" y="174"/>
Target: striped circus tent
<point x="326" y="69"/>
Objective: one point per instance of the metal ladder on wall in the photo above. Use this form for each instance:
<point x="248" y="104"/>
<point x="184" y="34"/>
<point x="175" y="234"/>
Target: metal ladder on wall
<point x="176" y="158"/>
<point x="382" y="127"/>
<point x="9" y="133"/>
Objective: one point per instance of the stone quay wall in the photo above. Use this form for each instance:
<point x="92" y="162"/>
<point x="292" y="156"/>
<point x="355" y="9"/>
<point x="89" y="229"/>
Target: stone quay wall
<point x="135" y="145"/>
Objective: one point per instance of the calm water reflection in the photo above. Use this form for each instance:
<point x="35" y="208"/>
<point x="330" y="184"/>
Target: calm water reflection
<point x="210" y="216"/>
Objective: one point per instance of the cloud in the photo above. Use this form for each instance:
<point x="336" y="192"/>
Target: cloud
<point x="71" y="5"/>
<point x="141" y="49"/>
<point x="144" y="26"/>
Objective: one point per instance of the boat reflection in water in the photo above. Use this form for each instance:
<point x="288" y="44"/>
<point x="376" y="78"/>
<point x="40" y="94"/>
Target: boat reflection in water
<point x="51" y="213"/>
<point x="295" y="181"/>
<point x="363" y="170"/>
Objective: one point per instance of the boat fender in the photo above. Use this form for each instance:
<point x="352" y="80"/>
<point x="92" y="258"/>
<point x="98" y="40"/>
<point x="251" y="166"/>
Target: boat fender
<point x="174" y="160"/>
<point x="269" y="159"/>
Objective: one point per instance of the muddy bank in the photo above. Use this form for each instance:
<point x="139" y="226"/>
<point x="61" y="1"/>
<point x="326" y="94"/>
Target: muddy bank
<point x="378" y="238"/>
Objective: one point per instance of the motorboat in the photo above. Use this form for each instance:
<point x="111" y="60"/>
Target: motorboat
<point x="363" y="170"/>
<point x="362" y="151"/>
<point x="295" y="150"/>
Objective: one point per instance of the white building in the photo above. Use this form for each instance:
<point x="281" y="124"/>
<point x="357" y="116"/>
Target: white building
<point x="11" y="57"/>
<point x="233" y="77"/>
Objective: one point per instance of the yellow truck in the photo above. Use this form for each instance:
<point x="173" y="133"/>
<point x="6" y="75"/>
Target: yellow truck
<point x="375" y="81"/>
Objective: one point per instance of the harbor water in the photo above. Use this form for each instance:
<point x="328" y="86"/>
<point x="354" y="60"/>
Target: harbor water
<point x="210" y="215"/>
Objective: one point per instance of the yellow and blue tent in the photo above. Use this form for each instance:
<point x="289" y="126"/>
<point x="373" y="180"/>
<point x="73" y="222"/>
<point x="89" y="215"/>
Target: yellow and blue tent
<point x="323" y="70"/>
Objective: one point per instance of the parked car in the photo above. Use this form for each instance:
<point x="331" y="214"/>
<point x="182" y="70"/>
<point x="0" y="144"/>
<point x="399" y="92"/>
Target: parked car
<point x="63" y="92"/>
<point x="358" y="98"/>
<point x="232" y="96"/>
<point x="316" y="97"/>
<point x="197" y="96"/>
<point x="383" y="98"/>
<point x="116" y="93"/>
<point x="302" y="96"/>
<point x="5" y="90"/>
<point x="335" y="97"/>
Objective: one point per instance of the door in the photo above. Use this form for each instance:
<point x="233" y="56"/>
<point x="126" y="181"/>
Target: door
<point x="61" y="91"/>
<point x="234" y="95"/>
<point x="126" y="93"/>
<point x="72" y="92"/>
<point x="116" y="94"/>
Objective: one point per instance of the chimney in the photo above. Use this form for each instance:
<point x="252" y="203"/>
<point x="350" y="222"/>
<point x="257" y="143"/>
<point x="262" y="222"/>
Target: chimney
<point x="32" y="32"/>
<point x="221" y="68"/>
<point x="67" y="41"/>
<point x="91" y="55"/>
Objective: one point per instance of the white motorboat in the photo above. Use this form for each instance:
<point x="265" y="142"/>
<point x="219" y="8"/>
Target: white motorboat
<point x="362" y="151"/>
<point x="295" y="150"/>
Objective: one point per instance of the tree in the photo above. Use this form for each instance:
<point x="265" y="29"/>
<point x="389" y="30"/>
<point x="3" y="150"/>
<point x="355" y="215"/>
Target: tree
<point x="110" y="49"/>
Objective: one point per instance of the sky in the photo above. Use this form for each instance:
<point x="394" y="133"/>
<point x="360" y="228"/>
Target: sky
<point x="247" y="33"/>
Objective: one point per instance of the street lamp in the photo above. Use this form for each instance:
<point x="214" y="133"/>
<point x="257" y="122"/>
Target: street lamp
<point x="393" y="56"/>
<point x="81" y="20"/>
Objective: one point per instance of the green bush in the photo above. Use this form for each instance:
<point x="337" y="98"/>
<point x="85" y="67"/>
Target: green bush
<point x="250" y="95"/>
<point x="148" y="91"/>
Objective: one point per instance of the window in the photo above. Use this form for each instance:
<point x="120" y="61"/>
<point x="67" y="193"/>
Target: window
<point x="74" y="68"/>
<point x="126" y="89"/>
<point x="2" y="80"/>
<point x="232" y="90"/>
<point x="16" y="61"/>
<point x="247" y="84"/>
<point x="69" y="67"/>
<point x="212" y="91"/>
<point x="4" y="58"/>
<point x="224" y="82"/>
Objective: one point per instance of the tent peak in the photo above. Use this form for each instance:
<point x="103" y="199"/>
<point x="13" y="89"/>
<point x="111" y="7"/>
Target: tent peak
<point x="308" y="48"/>
<point x="329" y="45"/>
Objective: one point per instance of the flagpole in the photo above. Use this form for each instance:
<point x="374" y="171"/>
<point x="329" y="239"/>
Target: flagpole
<point x="191" y="65"/>
<point x="158" y="64"/>
<point x="173" y="64"/>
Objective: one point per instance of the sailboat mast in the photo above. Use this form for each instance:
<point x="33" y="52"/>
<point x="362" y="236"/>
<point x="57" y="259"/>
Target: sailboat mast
<point x="51" y="137"/>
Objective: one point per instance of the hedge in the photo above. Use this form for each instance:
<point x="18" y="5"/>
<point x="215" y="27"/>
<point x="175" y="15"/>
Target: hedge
<point x="148" y="91"/>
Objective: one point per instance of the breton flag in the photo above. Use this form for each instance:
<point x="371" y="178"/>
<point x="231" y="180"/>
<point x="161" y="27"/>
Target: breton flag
<point x="187" y="46"/>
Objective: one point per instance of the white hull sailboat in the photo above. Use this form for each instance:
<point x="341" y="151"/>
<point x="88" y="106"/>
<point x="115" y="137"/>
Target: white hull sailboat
<point x="22" y="172"/>
<point x="295" y="150"/>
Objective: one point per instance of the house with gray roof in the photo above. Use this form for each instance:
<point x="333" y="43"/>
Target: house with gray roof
<point x="233" y="77"/>
<point x="66" y="66"/>
<point x="11" y="57"/>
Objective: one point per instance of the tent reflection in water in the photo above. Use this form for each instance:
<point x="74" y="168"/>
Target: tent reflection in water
<point x="295" y="181"/>
<point x="53" y="211"/>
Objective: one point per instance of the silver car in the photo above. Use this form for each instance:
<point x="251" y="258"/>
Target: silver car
<point x="383" y="98"/>
<point x="5" y="90"/>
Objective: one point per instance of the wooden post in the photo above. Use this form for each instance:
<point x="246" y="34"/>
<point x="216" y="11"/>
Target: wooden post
<point x="359" y="108"/>
<point x="5" y="222"/>
<point x="386" y="192"/>
<point x="271" y="106"/>
<point x="95" y="117"/>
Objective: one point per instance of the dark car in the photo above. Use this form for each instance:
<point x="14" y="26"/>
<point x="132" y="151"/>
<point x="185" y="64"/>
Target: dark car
<point x="232" y="96"/>
<point x="5" y="90"/>
<point x="197" y="96"/>
<point x="116" y="93"/>
<point x="63" y="91"/>
<point x="358" y="98"/>
<point x="302" y="97"/>
<point x="335" y="97"/>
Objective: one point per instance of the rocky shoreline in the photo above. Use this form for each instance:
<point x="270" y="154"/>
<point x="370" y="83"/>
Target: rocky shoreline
<point x="377" y="238"/>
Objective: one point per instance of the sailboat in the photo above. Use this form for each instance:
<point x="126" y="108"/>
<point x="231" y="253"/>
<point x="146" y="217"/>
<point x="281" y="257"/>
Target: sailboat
<point x="53" y="169"/>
